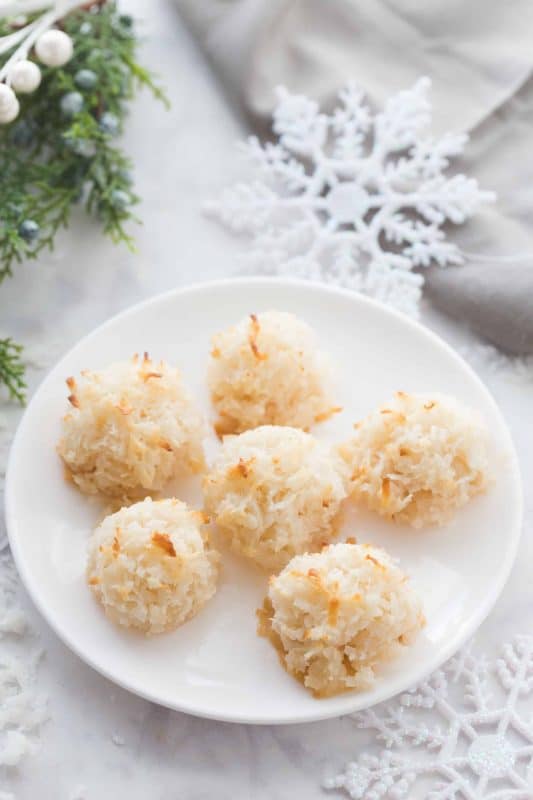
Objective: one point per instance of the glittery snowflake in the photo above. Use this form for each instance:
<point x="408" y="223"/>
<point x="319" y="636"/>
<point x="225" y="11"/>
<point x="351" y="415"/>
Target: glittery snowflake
<point x="353" y="198"/>
<point x="464" y="734"/>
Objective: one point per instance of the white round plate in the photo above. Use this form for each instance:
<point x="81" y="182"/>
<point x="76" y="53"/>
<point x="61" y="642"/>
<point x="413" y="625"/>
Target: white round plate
<point x="216" y="666"/>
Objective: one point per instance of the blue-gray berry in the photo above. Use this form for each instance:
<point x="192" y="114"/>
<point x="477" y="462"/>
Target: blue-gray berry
<point x="85" y="79"/>
<point x="22" y="134"/>
<point x="82" y="147"/>
<point x="109" y="123"/>
<point x="86" y="28"/>
<point x="123" y="25"/>
<point x="71" y="104"/>
<point x="29" y="230"/>
<point x="120" y="199"/>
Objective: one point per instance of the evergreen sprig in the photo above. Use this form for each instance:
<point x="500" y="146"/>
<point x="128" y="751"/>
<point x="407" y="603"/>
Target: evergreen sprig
<point x="62" y="150"/>
<point x="12" y="369"/>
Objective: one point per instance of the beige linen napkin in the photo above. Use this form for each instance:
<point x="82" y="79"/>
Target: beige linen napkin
<point x="479" y="56"/>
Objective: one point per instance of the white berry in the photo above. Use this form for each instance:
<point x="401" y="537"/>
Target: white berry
<point x="54" y="48"/>
<point x="9" y="105"/>
<point x="24" y="76"/>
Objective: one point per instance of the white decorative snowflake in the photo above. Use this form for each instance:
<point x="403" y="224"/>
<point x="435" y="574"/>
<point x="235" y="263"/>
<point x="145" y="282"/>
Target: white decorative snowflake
<point x="353" y="198"/>
<point x="464" y="734"/>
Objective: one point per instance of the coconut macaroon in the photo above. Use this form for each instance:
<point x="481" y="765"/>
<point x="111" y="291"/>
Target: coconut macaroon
<point x="267" y="370"/>
<point x="150" y="565"/>
<point x="335" y="616"/>
<point x="131" y="428"/>
<point x="275" y="492"/>
<point x="417" y="459"/>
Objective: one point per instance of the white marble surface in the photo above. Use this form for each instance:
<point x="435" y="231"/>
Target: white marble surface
<point x="101" y="738"/>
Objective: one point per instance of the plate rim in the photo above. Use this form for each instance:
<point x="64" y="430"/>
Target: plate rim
<point x="446" y="652"/>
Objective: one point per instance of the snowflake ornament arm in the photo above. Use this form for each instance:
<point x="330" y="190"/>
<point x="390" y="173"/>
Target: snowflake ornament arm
<point x="393" y="729"/>
<point x="481" y="750"/>
<point x="351" y="198"/>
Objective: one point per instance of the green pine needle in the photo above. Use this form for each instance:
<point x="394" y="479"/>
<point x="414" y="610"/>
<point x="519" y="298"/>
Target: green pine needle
<point x="12" y="369"/>
<point x="51" y="160"/>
